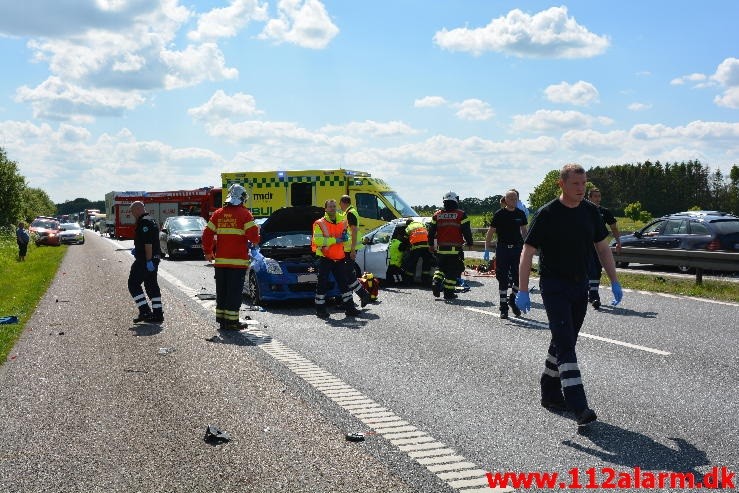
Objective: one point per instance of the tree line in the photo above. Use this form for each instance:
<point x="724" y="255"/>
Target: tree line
<point x="18" y="201"/>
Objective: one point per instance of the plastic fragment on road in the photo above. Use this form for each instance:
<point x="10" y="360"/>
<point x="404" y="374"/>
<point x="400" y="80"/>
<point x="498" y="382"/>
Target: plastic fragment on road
<point x="10" y="319"/>
<point x="206" y="296"/>
<point x="214" y="434"/>
<point x="355" y="437"/>
<point x="165" y="350"/>
<point x="254" y="308"/>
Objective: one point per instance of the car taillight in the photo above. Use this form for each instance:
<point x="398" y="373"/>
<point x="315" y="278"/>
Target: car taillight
<point x="714" y="245"/>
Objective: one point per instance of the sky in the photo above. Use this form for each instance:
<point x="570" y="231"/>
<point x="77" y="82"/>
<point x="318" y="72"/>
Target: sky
<point x="472" y="96"/>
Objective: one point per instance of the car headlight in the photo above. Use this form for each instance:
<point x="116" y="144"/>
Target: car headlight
<point x="273" y="267"/>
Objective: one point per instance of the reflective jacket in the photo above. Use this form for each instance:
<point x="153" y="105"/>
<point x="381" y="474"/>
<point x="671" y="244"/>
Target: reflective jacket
<point x="325" y="234"/>
<point x="234" y="226"/>
<point x="418" y="235"/>
<point x="395" y="254"/>
<point x="348" y="244"/>
<point x="450" y="228"/>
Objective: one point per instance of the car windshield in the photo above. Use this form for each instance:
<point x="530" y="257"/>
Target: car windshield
<point x="70" y="227"/>
<point x="184" y="224"/>
<point x="44" y="224"/>
<point x="288" y="240"/>
<point x="726" y="226"/>
<point x="399" y="204"/>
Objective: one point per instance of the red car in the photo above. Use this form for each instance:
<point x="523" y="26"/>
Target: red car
<point x="45" y="231"/>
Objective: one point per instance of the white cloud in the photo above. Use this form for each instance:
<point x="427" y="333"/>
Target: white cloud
<point x="639" y="106"/>
<point x="302" y="22"/>
<point x="551" y="121"/>
<point x="729" y="99"/>
<point x="695" y="77"/>
<point x="195" y="65"/>
<point x="429" y="102"/>
<point x="580" y="93"/>
<point x="550" y="33"/>
<point x="473" y="109"/>
<point x="227" y="21"/>
<point x="222" y="106"/>
<point x="372" y="129"/>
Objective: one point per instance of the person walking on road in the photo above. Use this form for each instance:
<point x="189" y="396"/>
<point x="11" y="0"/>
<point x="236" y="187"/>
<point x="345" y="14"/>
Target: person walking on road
<point x="23" y="239"/>
<point x="509" y="223"/>
<point x="329" y="234"/>
<point x="146" y="252"/>
<point x="233" y="228"/>
<point x="450" y="228"/>
<point x="350" y="248"/>
<point x="563" y="230"/>
<point x="595" y="197"/>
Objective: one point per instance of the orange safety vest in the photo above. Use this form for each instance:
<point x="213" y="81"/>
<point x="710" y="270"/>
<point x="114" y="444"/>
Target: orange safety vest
<point x="449" y="227"/>
<point x="324" y="238"/>
<point x="417" y="233"/>
<point x="234" y="226"/>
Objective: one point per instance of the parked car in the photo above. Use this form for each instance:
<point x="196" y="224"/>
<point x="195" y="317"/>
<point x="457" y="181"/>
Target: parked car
<point x="283" y="264"/>
<point x="181" y="236"/>
<point x="374" y="257"/>
<point x="693" y="230"/>
<point x="71" y="233"/>
<point x="45" y="231"/>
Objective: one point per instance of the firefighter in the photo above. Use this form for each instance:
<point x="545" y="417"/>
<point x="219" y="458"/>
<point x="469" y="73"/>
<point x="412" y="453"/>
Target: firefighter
<point x="235" y="229"/>
<point x="450" y="227"/>
<point x="509" y="223"/>
<point x="329" y="234"/>
<point x="564" y="230"/>
<point x="418" y="238"/>
<point x="595" y="196"/>
<point x="398" y="245"/>
<point x="146" y="253"/>
<point x="351" y="247"/>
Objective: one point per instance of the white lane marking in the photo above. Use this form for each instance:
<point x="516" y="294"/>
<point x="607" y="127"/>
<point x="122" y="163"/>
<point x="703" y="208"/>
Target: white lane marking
<point x="582" y="334"/>
<point x="384" y="422"/>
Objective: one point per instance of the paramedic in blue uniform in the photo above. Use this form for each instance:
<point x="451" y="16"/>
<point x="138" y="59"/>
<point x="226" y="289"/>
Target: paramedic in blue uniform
<point x="563" y="231"/>
<point x="595" y="197"/>
<point x="144" y="268"/>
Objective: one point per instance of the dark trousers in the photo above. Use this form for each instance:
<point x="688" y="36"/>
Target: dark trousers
<point x="326" y="267"/>
<point x="449" y="269"/>
<point x="507" y="259"/>
<point x="350" y="274"/>
<point x="427" y="262"/>
<point x="566" y="303"/>
<point x="229" y="288"/>
<point x="138" y="275"/>
<point x="22" y="249"/>
<point x="594" y="270"/>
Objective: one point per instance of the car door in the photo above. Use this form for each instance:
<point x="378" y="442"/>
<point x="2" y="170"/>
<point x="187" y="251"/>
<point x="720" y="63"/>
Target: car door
<point x="673" y="234"/>
<point x="647" y="237"/>
<point x="375" y="254"/>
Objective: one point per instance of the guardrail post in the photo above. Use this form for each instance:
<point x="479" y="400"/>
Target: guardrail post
<point x="698" y="275"/>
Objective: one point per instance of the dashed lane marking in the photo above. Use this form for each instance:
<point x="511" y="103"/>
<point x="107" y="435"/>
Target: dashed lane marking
<point x="442" y="461"/>
<point x="535" y="323"/>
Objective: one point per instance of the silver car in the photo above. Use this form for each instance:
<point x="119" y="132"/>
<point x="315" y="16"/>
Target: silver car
<point x="71" y="233"/>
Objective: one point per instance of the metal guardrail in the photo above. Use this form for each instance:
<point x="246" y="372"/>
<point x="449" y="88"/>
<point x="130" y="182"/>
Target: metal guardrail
<point x="699" y="260"/>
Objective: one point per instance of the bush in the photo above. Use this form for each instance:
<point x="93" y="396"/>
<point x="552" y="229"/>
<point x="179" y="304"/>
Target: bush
<point x="645" y="216"/>
<point x="633" y="211"/>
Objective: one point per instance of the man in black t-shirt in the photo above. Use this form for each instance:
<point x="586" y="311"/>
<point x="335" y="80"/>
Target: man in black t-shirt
<point x="509" y="223"/>
<point x="563" y="231"/>
<point x="595" y="196"/>
<point x="147" y="252"/>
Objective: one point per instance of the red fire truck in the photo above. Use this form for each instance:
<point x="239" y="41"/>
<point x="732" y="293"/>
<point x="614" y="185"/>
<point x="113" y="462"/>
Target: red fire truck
<point x="160" y="205"/>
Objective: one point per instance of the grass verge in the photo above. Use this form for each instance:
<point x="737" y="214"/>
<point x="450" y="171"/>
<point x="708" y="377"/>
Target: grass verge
<point x="22" y="284"/>
<point x="710" y="289"/>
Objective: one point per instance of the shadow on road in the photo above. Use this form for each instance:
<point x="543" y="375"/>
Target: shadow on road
<point x="630" y="449"/>
<point x="146" y="329"/>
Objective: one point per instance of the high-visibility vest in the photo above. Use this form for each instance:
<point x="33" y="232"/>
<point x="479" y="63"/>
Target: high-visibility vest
<point x="417" y="234"/>
<point x="449" y="227"/>
<point x="325" y="233"/>
<point x="234" y="226"/>
<point x="348" y="244"/>
<point x="396" y="256"/>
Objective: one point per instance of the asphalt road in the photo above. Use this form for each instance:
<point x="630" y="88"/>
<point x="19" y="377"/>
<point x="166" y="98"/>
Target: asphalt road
<point x="446" y="390"/>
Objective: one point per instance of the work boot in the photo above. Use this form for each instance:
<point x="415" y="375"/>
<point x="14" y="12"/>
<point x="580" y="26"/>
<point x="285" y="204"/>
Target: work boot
<point x="554" y="403"/>
<point x="351" y="311"/>
<point x="156" y="317"/>
<point x="503" y="310"/>
<point x="436" y="288"/>
<point x="143" y="317"/>
<point x="322" y="313"/>
<point x="585" y="417"/>
<point x="596" y="304"/>
<point x="450" y="295"/>
<point x="512" y="304"/>
<point x="364" y="297"/>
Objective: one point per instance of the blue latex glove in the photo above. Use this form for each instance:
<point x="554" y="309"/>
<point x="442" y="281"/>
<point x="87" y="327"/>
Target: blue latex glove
<point x="150" y="266"/>
<point x="486" y="255"/>
<point x="133" y="252"/>
<point x="618" y="293"/>
<point x="523" y="301"/>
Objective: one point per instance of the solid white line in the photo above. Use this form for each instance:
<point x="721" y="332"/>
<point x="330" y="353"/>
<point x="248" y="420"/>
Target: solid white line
<point x="582" y="334"/>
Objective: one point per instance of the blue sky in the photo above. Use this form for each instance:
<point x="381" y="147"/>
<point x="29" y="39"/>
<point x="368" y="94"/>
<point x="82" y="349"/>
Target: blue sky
<point x="471" y="96"/>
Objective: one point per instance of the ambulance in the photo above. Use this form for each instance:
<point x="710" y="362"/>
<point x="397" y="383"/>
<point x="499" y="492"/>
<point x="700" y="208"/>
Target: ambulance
<point x="268" y="191"/>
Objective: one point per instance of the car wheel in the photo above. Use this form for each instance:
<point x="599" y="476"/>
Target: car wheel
<point x="169" y="252"/>
<point x="622" y="265"/>
<point x="252" y="288"/>
<point x="684" y="269"/>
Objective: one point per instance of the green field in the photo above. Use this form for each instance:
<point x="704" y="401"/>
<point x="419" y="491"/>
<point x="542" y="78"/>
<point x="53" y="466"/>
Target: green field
<point x="23" y="284"/>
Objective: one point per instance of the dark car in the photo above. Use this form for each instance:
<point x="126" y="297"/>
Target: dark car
<point x="45" y="231"/>
<point x="182" y="236"/>
<point x="283" y="264"/>
<point x="694" y="230"/>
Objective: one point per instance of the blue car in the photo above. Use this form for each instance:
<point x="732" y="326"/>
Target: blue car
<point x="283" y="266"/>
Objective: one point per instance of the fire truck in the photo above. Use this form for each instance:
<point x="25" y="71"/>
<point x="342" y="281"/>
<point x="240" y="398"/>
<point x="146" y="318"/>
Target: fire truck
<point x="160" y="205"/>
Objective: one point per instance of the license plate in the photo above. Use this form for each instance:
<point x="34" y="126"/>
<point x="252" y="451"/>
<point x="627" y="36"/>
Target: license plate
<point x="197" y="246"/>
<point x="307" y="277"/>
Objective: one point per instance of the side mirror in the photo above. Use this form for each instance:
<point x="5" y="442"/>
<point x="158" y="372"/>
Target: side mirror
<point x="638" y="234"/>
